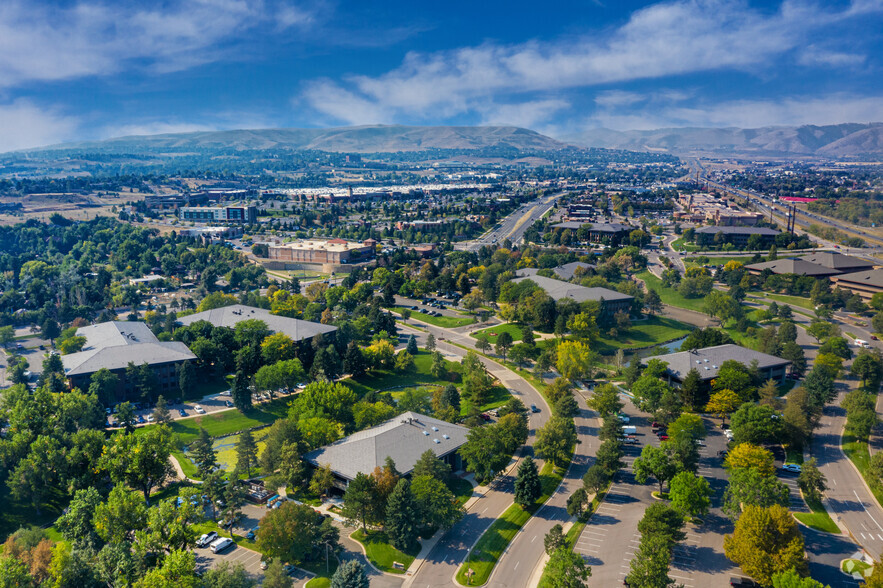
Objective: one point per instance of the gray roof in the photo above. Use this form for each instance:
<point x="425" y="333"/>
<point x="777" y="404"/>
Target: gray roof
<point x="568" y="225"/>
<point x="714" y="230"/>
<point x="838" y="261"/>
<point x="115" y="344"/>
<point x="708" y="361"/>
<point x="404" y="438"/>
<point x="595" y="227"/>
<point x="869" y="278"/>
<point x="229" y="316"/>
<point x="565" y="272"/>
<point x="560" y="290"/>
<point x="793" y="266"/>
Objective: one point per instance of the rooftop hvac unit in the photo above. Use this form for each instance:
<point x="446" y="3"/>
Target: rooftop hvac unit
<point x="436" y="440"/>
<point x="426" y="433"/>
<point x="435" y="428"/>
<point x="446" y="436"/>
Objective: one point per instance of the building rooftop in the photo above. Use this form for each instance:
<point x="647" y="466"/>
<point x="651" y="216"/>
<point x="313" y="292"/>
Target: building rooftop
<point x="870" y="278"/>
<point x="708" y="361"/>
<point x="229" y="316"/>
<point x="729" y="230"/>
<point x="793" y="266"/>
<point x="838" y="261"/>
<point x="560" y="290"/>
<point x="115" y="344"/>
<point x="404" y="439"/>
<point x="565" y="272"/>
<point x="596" y="227"/>
<point x="321" y="245"/>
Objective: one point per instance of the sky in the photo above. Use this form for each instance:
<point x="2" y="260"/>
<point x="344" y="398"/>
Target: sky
<point x="94" y="69"/>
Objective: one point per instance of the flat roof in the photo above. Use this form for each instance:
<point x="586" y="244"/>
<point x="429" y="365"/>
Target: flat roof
<point x="230" y="316"/>
<point x="596" y="227"/>
<point x="404" y="439"/>
<point x="317" y="245"/>
<point x="707" y="361"/>
<point x="728" y="230"/>
<point x="560" y="290"/>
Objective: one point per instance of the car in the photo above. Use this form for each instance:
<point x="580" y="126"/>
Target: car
<point x="206" y="539"/>
<point x="182" y="412"/>
<point x="251" y="534"/>
<point x="199" y="409"/>
<point x="533" y="408"/>
<point x="792" y="467"/>
<point x="264" y="564"/>
<point x="723" y="453"/>
<point x="742" y="582"/>
<point x="700" y="442"/>
<point x="141" y="420"/>
<point x="663" y="437"/>
<point x="228" y="404"/>
<point x="485" y="416"/>
<point x="150" y="418"/>
<point x="874" y="338"/>
<point x="221" y="544"/>
<point x="660" y="432"/>
<point x="729" y="434"/>
<point x="655" y="425"/>
<point x="624" y="419"/>
<point x="629" y="440"/>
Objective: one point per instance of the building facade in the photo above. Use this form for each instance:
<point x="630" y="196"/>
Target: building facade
<point x="220" y="214"/>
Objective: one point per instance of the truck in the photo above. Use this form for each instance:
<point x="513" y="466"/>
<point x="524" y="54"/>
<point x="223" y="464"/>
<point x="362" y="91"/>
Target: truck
<point x="862" y="343"/>
<point x="629" y="430"/>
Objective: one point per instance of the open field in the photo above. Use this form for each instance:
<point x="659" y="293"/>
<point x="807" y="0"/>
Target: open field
<point x="492" y="333"/>
<point x="645" y="333"/>
<point x="668" y="295"/>
<point x="444" y="321"/>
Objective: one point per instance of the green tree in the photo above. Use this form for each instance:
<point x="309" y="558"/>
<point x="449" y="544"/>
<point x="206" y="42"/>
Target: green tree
<point x="204" y="455"/>
<point x="554" y="539"/>
<point x="430" y="465"/>
<point x="430" y="342"/>
<point x="246" y="452"/>
<point x="50" y="330"/>
<point x="648" y="391"/>
<point x="527" y="483"/>
<point x="868" y="367"/>
<point x="275" y="575"/>
<point x="186" y="377"/>
<point x="354" y="361"/>
<point x="691" y="390"/>
<point x="227" y="575"/>
<point x="76" y="525"/>
<point x="690" y="494"/>
<point x="116" y="520"/>
<point x="567" y="569"/>
<point x="141" y="461"/>
<point x="161" y="412"/>
<point x="412" y="345"/>
<point x="812" y="481"/>
<point x="7" y="334"/>
<point x="437" y="506"/>
<point x="485" y="453"/>
<point x="360" y="502"/>
<point x="576" y="502"/>
<point x="178" y="569"/>
<point x="792" y="579"/>
<point x="661" y="520"/>
<point x="766" y="541"/>
<point x="595" y="479"/>
<point x="605" y="400"/>
<point x="289" y="532"/>
<point x="748" y="486"/>
<point x="609" y="457"/>
<point x="757" y="424"/>
<point x="689" y="426"/>
<point x="649" y="566"/>
<point x="103" y="384"/>
<point x="350" y="574"/>
<point x="655" y="462"/>
<point x="555" y="440"/>
<point x="402" y="516"/>
<point x="240" y="391"/>
<point x="322" y="480"/>
<point x="504" y="343"/>
<point x="575" y="360"/>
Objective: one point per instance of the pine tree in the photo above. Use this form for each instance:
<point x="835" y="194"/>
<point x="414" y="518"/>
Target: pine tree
<point x="412" y="345"/>
<point x="554" y="539"/>
<point x="451" y="397"/>
<point x="430" y="342"/>
<point x="401" y="516"/>
<point x="241" y="392"/>
<point x="527" y="484"/>
<point x="691" y="389"/>
<point x="354" y="361"/>
<point x="246" y="452"/>
<point x="186" y="377"/>
<point x="350" y="574"/>
<point x="204" y="454"/>
<point x="161" y="411"/>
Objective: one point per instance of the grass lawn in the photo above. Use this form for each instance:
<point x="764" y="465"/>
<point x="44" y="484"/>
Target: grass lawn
<point x="514" y="329"/>
<point x="444" y="321"/>
<point x="851" y="566"/>
<point x="461" y="488"/>
<point x="496" y="397"/>
<point x="419" y="376"/>
<point x="681" y="245"/>
<point x="319" y="582"/>
<point x="493" y="542"/>
<point x="382" y="554"/>
<point x="20" y="513"/>
<point x="818" y="519"/>
<point x="668" y="295"/>
<point x="226" y="454"/>
<point x="646" y="333"/>
<point x="795" y="300"/>
<point x="208" y="387"/>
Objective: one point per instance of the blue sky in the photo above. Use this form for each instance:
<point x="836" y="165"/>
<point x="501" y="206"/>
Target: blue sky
<point x="90" y="69"/>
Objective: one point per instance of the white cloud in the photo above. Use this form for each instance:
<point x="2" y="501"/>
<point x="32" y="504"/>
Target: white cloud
<point x="26" y="125"/>
<point x="40" y="42"/>
<point x="524" y="114"/>
<point x="813" y="56"/>
<point x="155" y="128"/>
<point x="665" y="39"/>
<point x="617" y="98"/>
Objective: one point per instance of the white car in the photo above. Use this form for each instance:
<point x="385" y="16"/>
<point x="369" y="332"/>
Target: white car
<point x="220" y="545"/>
<point x="792" y="467"/>
<point x="150" y="418"/>
<point x="199" y="409"/>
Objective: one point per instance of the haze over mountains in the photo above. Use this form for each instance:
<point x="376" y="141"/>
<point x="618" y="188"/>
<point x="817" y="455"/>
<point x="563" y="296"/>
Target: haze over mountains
<point x="834" y="141"/>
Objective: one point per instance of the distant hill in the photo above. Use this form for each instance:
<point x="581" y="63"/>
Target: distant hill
<point x="362" y="139"/>
<point x="836" y="141"/>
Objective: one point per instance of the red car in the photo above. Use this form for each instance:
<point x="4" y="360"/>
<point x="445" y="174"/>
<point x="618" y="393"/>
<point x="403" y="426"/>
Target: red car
<point x="663" y="437"/>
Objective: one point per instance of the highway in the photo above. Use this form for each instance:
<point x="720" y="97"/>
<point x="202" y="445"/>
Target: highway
<point x="516" y="224"/>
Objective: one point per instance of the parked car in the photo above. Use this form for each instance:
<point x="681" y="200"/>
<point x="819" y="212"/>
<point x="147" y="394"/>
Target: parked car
<point x="251" y="534"/>
<point x="150" y="418"/>
<point x="655" y="425"/>
<point x="206" y="539"/>
<point x="742" y="582"/>
<point x="533" y="408"/>
<point x="199" y="409"/>
<point x="629" y="440"/>
<point x="220" y="545"/>
<point x="140" y="420"/>
<point x="182" y="412"/>
<point x="723" y="453"/>
<point x="624" y="419"/>
<point x="792" y="467"/>
<point x="228" y="404"/>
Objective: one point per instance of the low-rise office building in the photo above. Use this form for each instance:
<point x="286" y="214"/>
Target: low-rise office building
<point x="611" y="300"/>
<point x="708" y="361"/>
<point x="791" y="266"/>
<point x="221" y="214"/>
<point x="609" y="233"/>
<point x="114" y="345"/>
<point x="843" y="263"/>
<point x="738" y="236"/>
<point x="865" y="284"/>
<point x="315" y="251"/>
<point x="403" y="439"/>
<point x="230" y="316"/>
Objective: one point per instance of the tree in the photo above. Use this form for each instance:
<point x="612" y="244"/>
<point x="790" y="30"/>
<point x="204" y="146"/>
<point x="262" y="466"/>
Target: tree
<point x="819" y="330"/>
<point x="504" y="343"/>
<point x="605" y="400"/>
<point x="690" y="494"/>
<point x="354" y="360"/>
<point x="7" y="334"/>
<point x="766" y="541"/>
<point x="116" y="519"/>
<point x="794" y="353"/>
<point x="567" y="569"/>
<point x="661" y="520"/>
<point x="350" y="574"/>
<point x="750" y="486"/>
<point x="225" y="575"/>
<point x="485" y="453"/>
<point x="360" y="501"/>
<point x="691" y="390"/>
<point x="103" y="384"/>
<point x="567" y="406"/>
<point x="277" y="347"/>
<point x="867" y="366"/>
<point x="811" y="481"/>
<point x="240" y="391"/>
<point x="275" y="576"/>
<point x="652" y="302"/>
<point x="412" y="346"/>
<point x="402" y="516"/>
<point x="141" y="461"/>
<point x="289" y="532"/>
<point x="322" y="480"/>
<point x="482" y="343"/>
<point x="609" y="457"/>
<point x="648" y="391"/>
<point x="554" y="539"/>
<point x="595" y="479"/>
<point x="76" y="524"/>
<point x="575" y="360"/>
<point x="246" y="452"/>
<point x="161" y="412"/>
<point x="204" y="454"/>
<point x="50" y="330"/>
<point x="792" y="579"/>
<point x="689" y="426"/>
<point x="723" y="403"/>
<point x="649" y="566"/>
<point x="820" y="387"/>
<point x="748" y="455"/>
<point x="436" y="505"/>
<point x="757" y="424"/>
<point x="555" y="440"/>
<point x="527" y="483"/>
<point x="186" y="377"/>
<point x="655" y="462"/>
<point x="576" y="503"/>
<point x="178" y="569"/>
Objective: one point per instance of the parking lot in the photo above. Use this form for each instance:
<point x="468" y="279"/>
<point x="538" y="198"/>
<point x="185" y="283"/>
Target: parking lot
<point x="438" y="305"/>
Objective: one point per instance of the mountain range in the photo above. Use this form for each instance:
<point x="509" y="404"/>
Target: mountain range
<point x="835" y="141"/>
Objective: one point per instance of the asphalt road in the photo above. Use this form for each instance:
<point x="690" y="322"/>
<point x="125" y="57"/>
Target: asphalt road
<point x="516" y="224"/>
